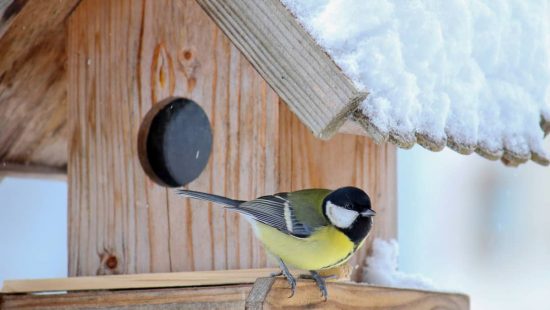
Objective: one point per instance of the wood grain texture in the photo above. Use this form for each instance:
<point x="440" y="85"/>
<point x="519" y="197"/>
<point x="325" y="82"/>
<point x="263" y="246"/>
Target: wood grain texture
<point x="341" y="296"/>
<point x="32" y="82"/>
<point x="289" y="60"/>
<point x="126" y="55"/>
<point x="32" y="171"/>
<point x="134" y="281"/>
<point x="360" y="296"/>
<point x="307" y="162"/>
<point x="220" y="297"/>
<point x="123" y="57"/>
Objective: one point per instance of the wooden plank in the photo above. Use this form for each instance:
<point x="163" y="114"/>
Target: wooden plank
<point x="267" y="293"/>
<point x="123" y="57"/>
<point x="351" y="127"/>
<point x="32" y="82"/>
<point x="306" y="162"/>
<point x="32" y="171"/>
<point x="220" y="297"/>
<point x="133" y="281"/>
<point x="122" y="222"/>
<point x="360" y="296"/>
<point x="289" y="60"/>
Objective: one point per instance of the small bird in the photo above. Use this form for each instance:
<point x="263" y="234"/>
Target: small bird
<point x="311" y="229"/>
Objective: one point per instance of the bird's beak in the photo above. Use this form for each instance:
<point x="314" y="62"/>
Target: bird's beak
<point x="369" y="212"/>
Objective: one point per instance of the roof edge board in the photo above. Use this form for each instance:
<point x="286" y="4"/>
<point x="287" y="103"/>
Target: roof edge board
<point x="290" y="61"/>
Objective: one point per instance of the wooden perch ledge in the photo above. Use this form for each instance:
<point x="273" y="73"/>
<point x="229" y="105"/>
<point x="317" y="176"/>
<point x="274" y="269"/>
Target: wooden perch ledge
<point x="230" y="289"/>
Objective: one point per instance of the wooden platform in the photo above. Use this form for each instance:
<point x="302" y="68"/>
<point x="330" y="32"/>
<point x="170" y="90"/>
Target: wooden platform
<point x="232" y="289"/>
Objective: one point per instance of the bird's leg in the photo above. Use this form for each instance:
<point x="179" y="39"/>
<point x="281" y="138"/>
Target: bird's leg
<point x="285" y="272"/>
<point x="320" y="283"/>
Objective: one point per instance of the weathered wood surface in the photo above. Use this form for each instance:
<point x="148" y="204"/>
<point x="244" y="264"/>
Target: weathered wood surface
<point x="266" y="293"/>
<point x="307" y="162"/>
<point x="125" y="55"/>
<point x="32" y="82"/>
<point x="290" y="60"/>
<point x="352" y="296"/>
<point x="134" y="281"/>
<point x="32" y="171"/>
<point x="220" y="297"/>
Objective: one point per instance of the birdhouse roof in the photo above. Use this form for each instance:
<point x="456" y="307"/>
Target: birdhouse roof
<point x="476" y="80"/>
<point x="470" y="76"/>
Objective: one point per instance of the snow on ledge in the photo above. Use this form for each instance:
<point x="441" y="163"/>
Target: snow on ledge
<point x="473" y="75"/>
<point x="381" y="268"/>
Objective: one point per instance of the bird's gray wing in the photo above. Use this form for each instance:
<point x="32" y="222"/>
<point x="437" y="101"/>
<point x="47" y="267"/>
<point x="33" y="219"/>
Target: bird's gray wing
<point x="278" y="212"/>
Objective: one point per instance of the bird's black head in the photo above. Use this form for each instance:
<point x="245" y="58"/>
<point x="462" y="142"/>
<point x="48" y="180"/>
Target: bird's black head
<point x="349" y="209"/>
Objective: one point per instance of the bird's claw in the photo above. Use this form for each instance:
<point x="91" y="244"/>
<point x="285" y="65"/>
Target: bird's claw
<point x="289" y="277"/>
<point x="291" y="281"/>
<point x="320" y="281"/>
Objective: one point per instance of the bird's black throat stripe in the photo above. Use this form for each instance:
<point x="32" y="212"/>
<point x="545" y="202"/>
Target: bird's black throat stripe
<point x="358" y="230"/>
<point x="356" y="234"/>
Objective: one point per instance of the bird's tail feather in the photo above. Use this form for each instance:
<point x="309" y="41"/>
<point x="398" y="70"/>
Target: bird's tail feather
<point x="209" y="197"/>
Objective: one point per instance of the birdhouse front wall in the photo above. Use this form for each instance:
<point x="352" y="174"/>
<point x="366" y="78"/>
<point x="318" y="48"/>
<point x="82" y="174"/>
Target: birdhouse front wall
<point x="126" y="56"/>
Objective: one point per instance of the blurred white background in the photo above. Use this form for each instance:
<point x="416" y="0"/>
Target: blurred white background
<point x="469" y="224"/>
<point x="476" y="226"/>
<point x="33" y="228"/>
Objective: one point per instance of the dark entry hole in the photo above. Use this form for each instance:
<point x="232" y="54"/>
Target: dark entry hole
<point x="174" y="142"/>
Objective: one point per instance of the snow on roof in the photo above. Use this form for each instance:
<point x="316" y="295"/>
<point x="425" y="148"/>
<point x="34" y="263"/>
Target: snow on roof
<point x="473" y="75"/>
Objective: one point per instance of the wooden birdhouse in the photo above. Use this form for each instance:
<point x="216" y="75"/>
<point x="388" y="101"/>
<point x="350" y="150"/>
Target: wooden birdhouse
<point x="128" y="99"/>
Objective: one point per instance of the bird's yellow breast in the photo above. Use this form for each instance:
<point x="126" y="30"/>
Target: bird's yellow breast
<point x="325" y="248"/>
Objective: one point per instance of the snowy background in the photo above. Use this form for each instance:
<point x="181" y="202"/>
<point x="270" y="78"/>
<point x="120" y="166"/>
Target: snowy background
<point x="469" y="224"/>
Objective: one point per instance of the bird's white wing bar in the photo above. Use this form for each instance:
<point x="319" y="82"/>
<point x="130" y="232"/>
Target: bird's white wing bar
<point x="288" y="217"/>
<point x="277" y="212"/>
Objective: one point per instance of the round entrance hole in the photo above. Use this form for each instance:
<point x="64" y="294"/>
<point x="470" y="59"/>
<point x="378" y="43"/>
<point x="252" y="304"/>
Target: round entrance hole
<point x="174" y="142"/>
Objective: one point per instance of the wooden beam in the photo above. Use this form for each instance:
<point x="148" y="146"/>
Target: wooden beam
<point x="219" y="297"/>
<point x="352" y="296"/>
<point x="32" y="171"/>
<point x="266" y="293"/>
<point x="288" y="58"/>
<point x="32" y="81"/>
<point x="134" y="281"/>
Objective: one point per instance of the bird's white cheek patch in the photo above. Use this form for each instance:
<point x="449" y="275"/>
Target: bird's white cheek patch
<point x="339" y="216"/>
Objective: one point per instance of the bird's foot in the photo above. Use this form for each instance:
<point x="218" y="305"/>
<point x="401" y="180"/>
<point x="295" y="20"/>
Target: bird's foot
<point x="289" y="277"/>
<point x="320" y="281"/>
<point x="276" y="274"/>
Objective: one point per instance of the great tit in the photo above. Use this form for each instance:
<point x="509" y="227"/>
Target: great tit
<point x="311" y="229"/>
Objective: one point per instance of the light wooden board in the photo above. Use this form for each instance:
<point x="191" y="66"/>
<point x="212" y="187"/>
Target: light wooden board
<point x="288" y="58"/>
<point x="123" y="57"/>
<point x="219" y="297"/>
<point x="126" y="55"/>
<point x="361" y="296"/>
<point x="133" y="281"/>
<point x="32" y="82"/>
<point x="32" y="171"/>
<point x="266" y="293"/>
